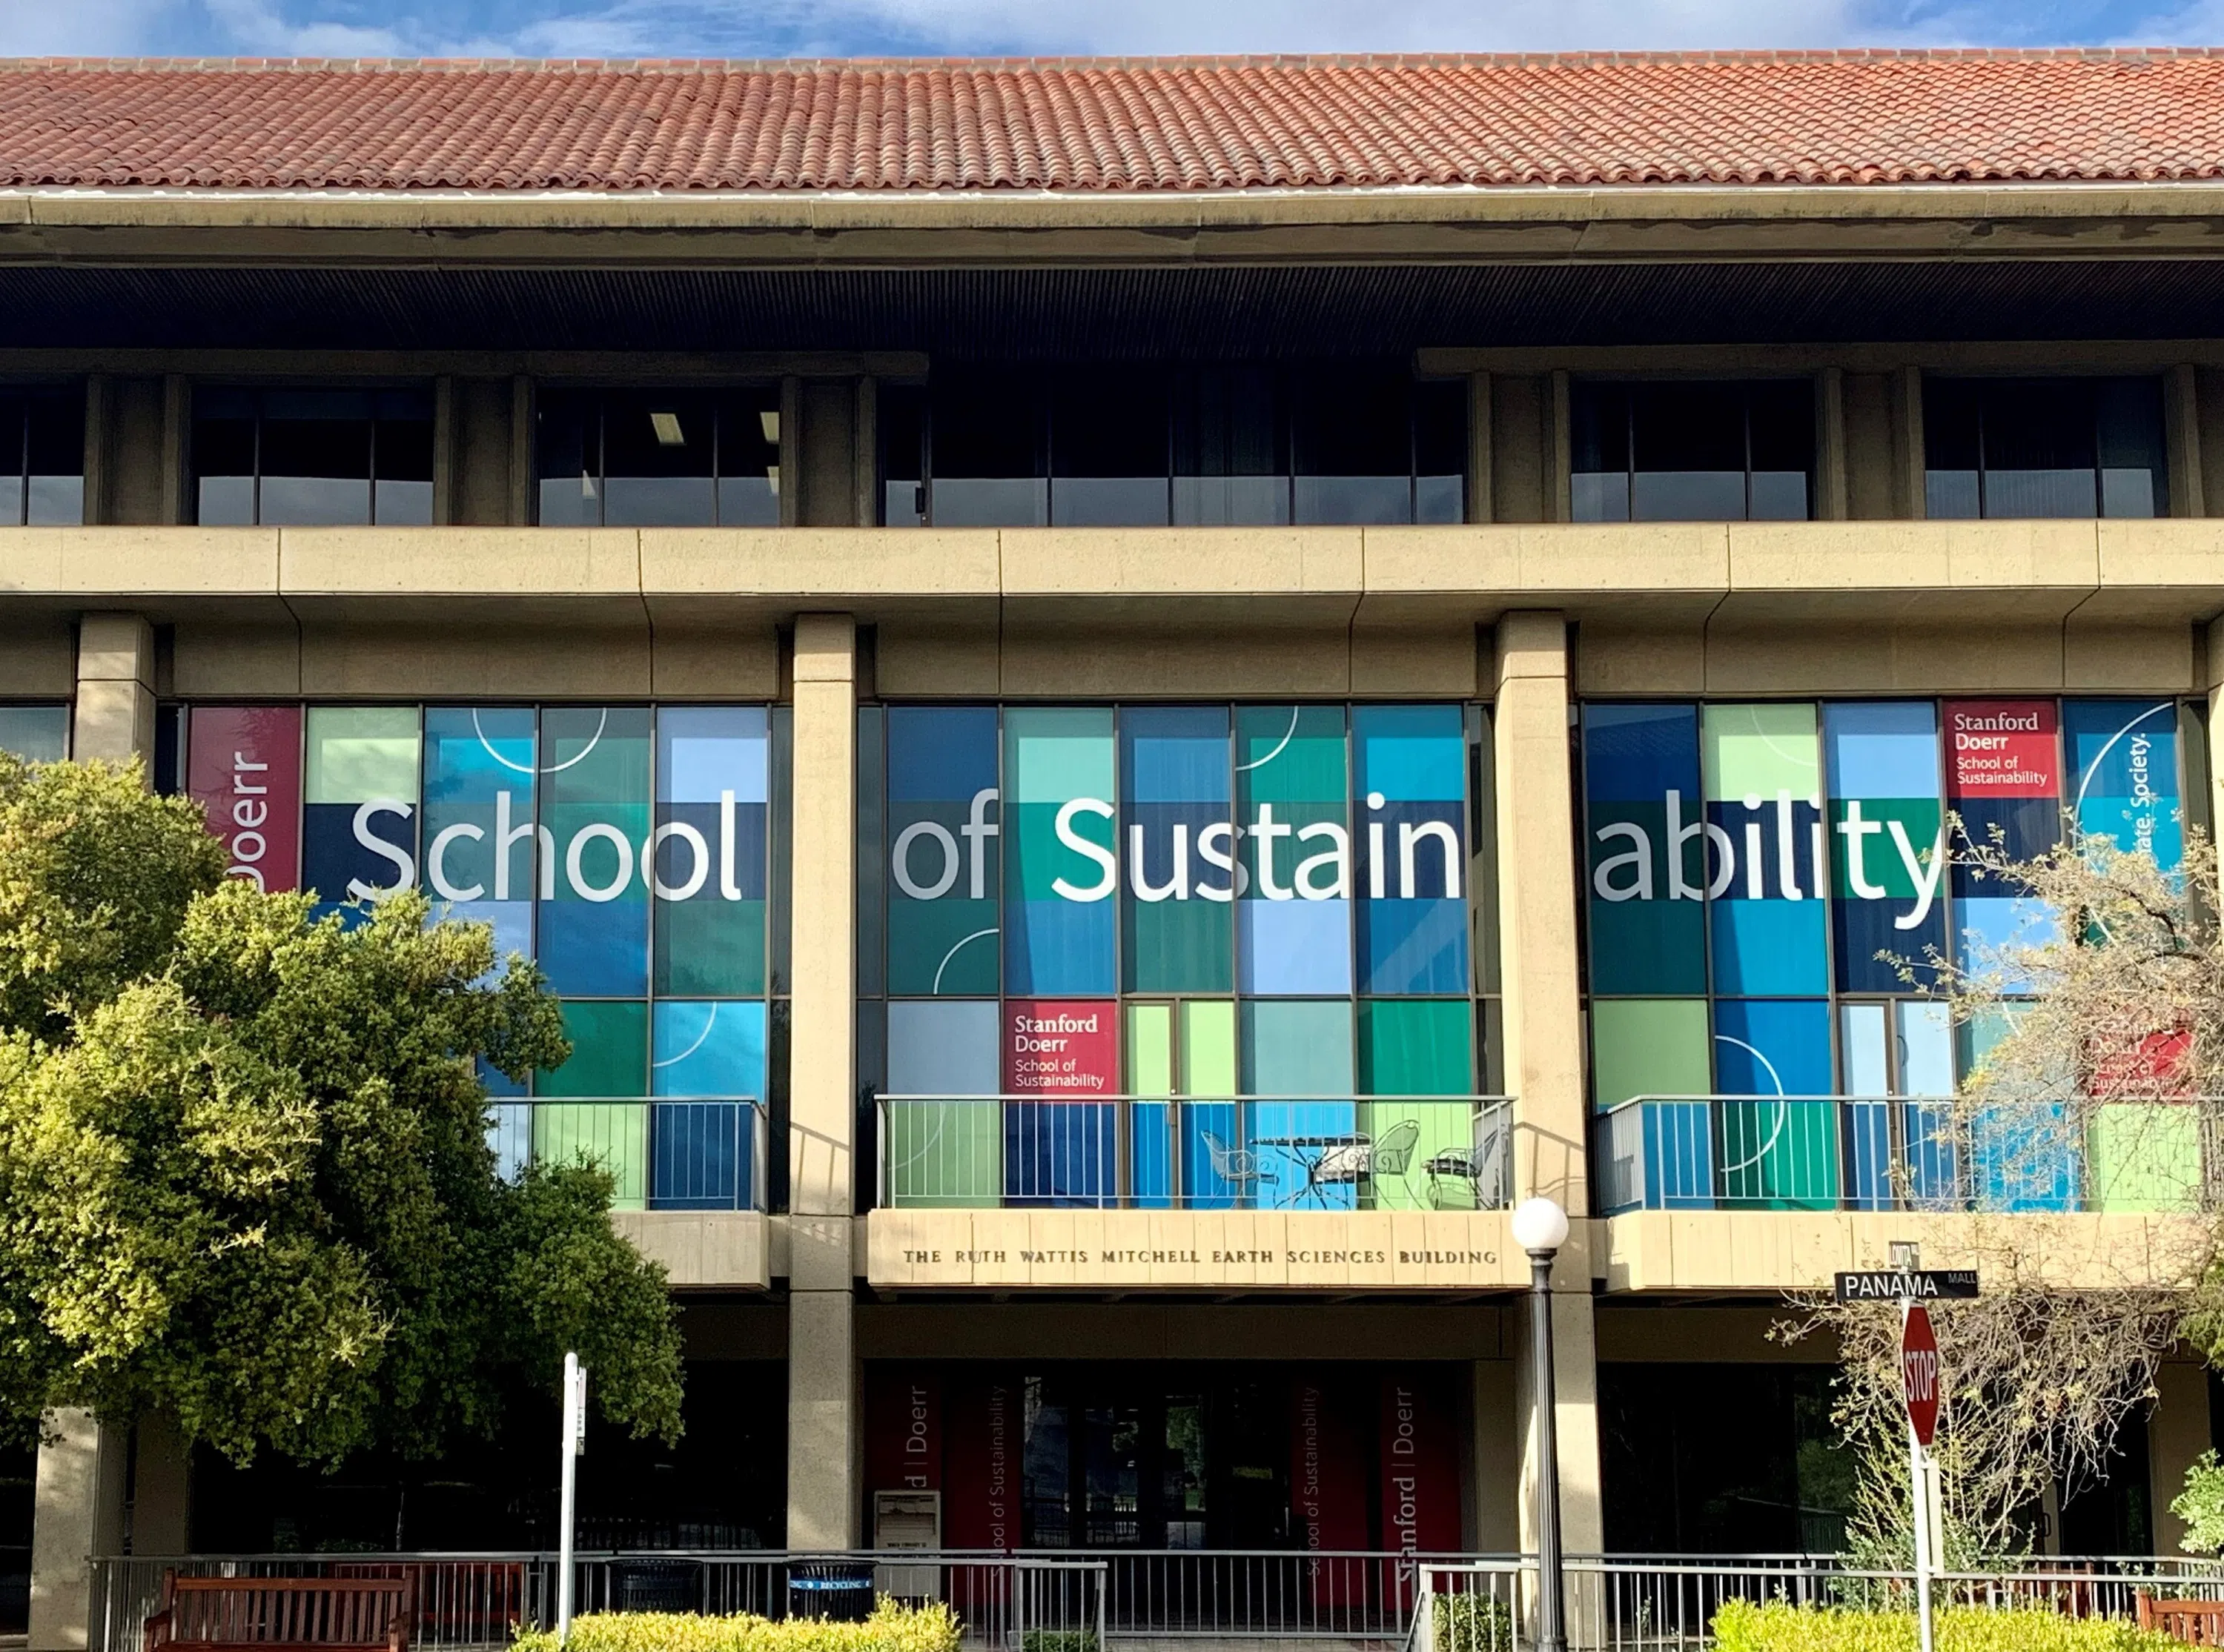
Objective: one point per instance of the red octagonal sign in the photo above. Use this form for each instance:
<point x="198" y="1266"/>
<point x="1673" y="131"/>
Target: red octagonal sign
<point x="1918" y="1373"/>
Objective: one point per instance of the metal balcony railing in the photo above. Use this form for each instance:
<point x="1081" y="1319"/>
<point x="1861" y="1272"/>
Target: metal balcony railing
<point x="664" y="1152"/>
<point x="1882" y="1153"/>
<point x="1374" y="1152"/>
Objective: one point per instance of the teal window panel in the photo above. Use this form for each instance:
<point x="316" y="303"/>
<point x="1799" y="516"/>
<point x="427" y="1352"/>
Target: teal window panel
<point x="36" y="734"/>
<point x="1411" y="752"/>
<point x="1297" y="1048"/>
<point x="710" y="948"/>
<point x="1291" y="755"/>
<point x="1416" y="1047"/>
<point x="1770" y="946"/>
<point x="609" y="1050"/>
<point x="708" y="1048"/>
<point x="1060" y="929"/>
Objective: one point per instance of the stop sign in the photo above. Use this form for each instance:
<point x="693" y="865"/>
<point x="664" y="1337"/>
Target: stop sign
<point x="1918" y="1373"/>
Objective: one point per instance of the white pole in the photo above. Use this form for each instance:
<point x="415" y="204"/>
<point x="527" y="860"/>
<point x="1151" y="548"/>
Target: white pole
<point x="1919" y="1503"/>
<point x="575" y="1440"/>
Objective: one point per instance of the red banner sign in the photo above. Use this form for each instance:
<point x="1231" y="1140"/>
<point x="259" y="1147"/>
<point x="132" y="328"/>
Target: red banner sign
<point x="1919" y="1372"/>
<point x="903" y="1431"/>
<point x="1067" y="1047"/>
<point x="2002" y="748"/>
<point x="1420" y="1475"/>
<point x="243" y="767"/>
<point x="1328" y="1483"/>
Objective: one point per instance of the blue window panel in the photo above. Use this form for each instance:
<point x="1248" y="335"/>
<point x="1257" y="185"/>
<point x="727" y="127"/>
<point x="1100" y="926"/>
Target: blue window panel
<point x="1882" y="749"/>
<point x="1151" y="1174"/>
<point x="471" y="752"/>
<point x="1409" y="752"/>
<point x="1926" y="1048"/>
<point x="1770" y="946"/>
<point x="352" y="914"/>
<point x="1301" y="1144"/>
<point x="1215" y="1138"/>
<point x="1990" y="922"/>
<point x="1288" y="948"/>
<point x="510" y="1138"/>
<point x="340" y="867"/>
<point x="1638" y="753"/>
<point x="2123" y="762"/>
<point x="946" y="1047"/>
<point x="1643" y="940"/>
<point x="941" y="754"/>
<point x="1865" y="1049"/>
<point x="1176" y="754"/>
<point x="704" y="752"/>
<point x="708" y="1049"/>
<point x="1414" y="947"/>
<point x="2027" y="828"/>
<point x="1765" y="1047"/>
<point x="498" y="1084"/>
<point x="2024" y="1157"/>
<point x="1060" y="1155"/>
<point x="1679" y="1155"/>
<point x="701" y="1155"/>
<point x="594" y="948"/>
<point x="1060" y="948"/>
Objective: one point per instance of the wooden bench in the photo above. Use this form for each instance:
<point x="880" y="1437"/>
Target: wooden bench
<point x="2197" y="1623"/>
<point x="266" y="1614"/>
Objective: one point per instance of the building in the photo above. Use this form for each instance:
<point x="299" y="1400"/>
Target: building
<point x="1125" y="696"/>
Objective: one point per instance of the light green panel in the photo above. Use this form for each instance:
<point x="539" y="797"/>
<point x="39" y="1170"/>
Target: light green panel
<point x="614" y="1134"/>
<point x="1760" y="750"/>
<point x="1151" y="1049"/>
<point x="2143" y="1155"/>
<point x="359" y="752"/>
<point x="1208" y="1048"/>
<point x="945" y="1155"/>
<point x="1407" y="1135"/>
<point x="1054" y="754"/>
<point x="1649" y="1046"/>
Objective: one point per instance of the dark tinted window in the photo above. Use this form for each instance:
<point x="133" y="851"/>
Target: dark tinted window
<point x="42" y="457"/>
<point x="1692" y="453"/>
<point x="902" y="416"/>
<point x="294" y="457"/>
<point x="2043" y="448"/>
<point x="1241" y="443"/>
<point x="659" y="458"/>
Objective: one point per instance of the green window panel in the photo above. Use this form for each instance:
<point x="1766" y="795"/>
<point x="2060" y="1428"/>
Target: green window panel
<point x="1778" y="1155"/>
<point x="2143" y="1155"/>
<point x="1649" y="1046"/>
<point x="1178" y="946"/>
<point x="609" y="1050"/>
<point x="945" y="1155"/>
<point x="942" y="948"/>
<point x="1408" y="1136"/>
<point x="359" y="752"/>
<point x="1151" y="1049"/>
<point x="710" y="948"/>
<point x="1288" y="753"/>
<point x="1760" y="750"/>
<point x="1208" y="1047"/>
<point x="1298" y="1047"/>
<point x="1416" y="1046"/>
<point x="613" y="1134"/>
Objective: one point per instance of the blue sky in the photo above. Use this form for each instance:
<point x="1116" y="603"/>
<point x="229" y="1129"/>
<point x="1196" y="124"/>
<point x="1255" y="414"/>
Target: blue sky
<point x="843" y="28"/>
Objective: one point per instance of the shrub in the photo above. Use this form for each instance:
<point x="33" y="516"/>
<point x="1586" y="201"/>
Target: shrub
<point x="1741" y="1626"/>
<point x="892" y="1628"/>
<point x="1059" y="1640"/>
<point x="1472" y="1624"/>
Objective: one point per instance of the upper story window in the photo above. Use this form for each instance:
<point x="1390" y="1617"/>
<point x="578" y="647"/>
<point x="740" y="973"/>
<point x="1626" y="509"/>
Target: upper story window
<point x="659" y="458"/>
<point x="42" y="457"/>
<point x="1115" y="447"/>
<point x="1684" y="452"/>
<point x="299" y="459"/>
<point x="2043" y="447"/>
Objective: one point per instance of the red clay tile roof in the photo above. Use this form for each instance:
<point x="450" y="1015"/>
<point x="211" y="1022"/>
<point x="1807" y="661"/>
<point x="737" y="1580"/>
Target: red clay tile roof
<point x="1126" y="124"/>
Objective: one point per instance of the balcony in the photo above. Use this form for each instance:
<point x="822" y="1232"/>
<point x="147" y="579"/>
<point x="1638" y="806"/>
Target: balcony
<point x="693" y="1154"/>
<point x="1904" y="1153"/>
<point x="1326" y="1154"/>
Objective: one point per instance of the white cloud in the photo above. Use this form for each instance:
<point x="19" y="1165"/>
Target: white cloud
<point x="77" y="27"/>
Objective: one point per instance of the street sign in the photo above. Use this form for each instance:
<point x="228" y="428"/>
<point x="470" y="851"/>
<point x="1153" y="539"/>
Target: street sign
<point x="1910" y="1284"/>
<point x="1918" y="1373"/>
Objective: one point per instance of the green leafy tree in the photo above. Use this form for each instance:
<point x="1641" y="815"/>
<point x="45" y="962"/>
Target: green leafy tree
<point x="244" y="1178"/>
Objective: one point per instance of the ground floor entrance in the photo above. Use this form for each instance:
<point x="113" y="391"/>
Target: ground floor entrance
<point x="1135" y="1454"/>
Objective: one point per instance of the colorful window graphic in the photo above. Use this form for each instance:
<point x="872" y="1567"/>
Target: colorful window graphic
<point x="1139" y="924"/>
<point x="1768" y="892"/>
<point x="625" y="850"/>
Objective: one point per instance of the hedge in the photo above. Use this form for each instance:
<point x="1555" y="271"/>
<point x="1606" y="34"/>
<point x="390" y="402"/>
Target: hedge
<point x="1471" y="1623"/>
<point x="1740" y="1626"/>
<point x="892" y="1628"/>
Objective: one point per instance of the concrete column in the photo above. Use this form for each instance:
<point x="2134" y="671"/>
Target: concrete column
<point x="1907" y="452"/>
<point x="2182" y="428"/>
<point x="78" y="1513"/>
<point x="1830" y="495"/>
<point x="2179" y="1431"/>
<point x="115" y="715"/>
<point x="2215" y="754"/>
<point x="823" y="1433"/>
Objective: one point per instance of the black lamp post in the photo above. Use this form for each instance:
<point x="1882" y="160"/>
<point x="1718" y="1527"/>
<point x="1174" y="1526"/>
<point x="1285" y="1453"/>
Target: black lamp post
<point x="1540" y="1228"/>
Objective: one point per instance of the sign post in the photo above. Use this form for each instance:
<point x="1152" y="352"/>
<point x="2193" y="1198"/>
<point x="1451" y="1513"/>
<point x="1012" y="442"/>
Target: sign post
<point x="573" y="1448"/>
<point x="1918" y="1371"/>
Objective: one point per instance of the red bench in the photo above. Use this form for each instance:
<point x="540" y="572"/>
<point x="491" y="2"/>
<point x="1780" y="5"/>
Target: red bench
<point x="266" y="1614"/>
<point x="2197" y="1623"/>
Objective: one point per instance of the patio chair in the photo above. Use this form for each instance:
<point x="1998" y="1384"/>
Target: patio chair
<point x="1480" y="1168"/>
<point x="1238" y="1167"/>
<point x="1393" y="1154"/>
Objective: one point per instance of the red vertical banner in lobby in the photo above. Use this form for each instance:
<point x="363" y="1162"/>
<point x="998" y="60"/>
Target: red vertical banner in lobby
<point x="986" y="1419"/>
<point x="903" y="1430"/>
<point x="1328" y="1483"/>
<point x="1419" y="1451"/>
<point x="243" y="767"/>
